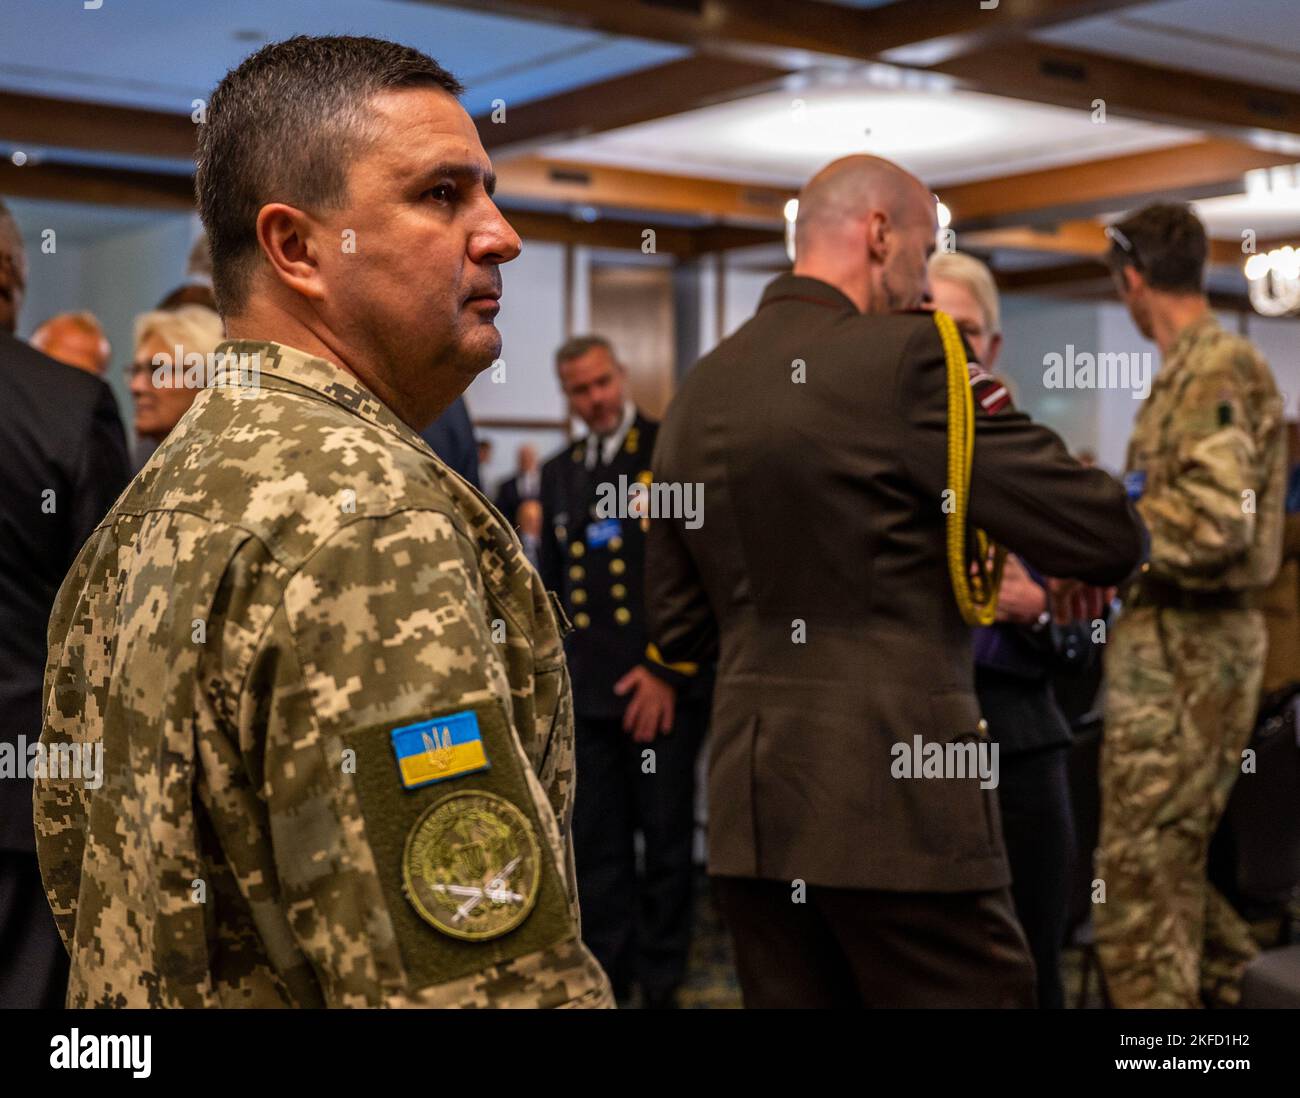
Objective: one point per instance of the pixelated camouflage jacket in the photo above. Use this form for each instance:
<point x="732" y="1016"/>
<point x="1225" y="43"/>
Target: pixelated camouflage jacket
<point x="1207" y="463"/>
<point x="291" y="577"/>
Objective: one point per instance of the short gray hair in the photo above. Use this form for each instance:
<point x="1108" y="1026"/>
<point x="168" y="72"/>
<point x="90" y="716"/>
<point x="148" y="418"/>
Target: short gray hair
<point x="579" y="346"/>
<point x="968" y="271"/>
<point x="195" y="328"/>
<point x="285" y="126"/>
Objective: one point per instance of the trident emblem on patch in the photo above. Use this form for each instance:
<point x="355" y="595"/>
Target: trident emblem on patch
<point x="438" y="752"/>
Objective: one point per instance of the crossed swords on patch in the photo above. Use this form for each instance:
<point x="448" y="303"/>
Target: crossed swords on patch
<point x="496" y="890"/>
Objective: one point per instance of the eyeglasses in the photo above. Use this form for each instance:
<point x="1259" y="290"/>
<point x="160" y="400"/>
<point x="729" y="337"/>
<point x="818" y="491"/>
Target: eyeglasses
<point x="133" y="370"/>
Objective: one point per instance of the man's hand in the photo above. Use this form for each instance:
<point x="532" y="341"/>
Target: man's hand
<point x="651" y="709"/>
<point x="1021" y="601"/>
<point x="1073" y="600"/>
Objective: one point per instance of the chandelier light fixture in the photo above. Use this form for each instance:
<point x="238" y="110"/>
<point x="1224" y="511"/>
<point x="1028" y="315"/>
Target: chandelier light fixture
<point x="1274" y="276"/>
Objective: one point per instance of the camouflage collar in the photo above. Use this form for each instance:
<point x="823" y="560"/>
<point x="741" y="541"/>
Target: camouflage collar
<point x="287" y="364"/>
<point x="1192" y="334"/>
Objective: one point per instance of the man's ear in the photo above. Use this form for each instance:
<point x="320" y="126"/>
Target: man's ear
<point x="287" y="237"/>
<point x="877" y="228"/>
<point x="1132" y="280"/>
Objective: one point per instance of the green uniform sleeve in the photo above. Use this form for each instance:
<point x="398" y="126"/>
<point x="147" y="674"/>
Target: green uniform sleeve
<point x="386" y="626"/>
<point x="59" y="801"/>
<point x="1200" y="510"/>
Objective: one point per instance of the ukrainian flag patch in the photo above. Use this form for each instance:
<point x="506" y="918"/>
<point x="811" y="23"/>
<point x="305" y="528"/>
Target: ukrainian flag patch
<point x="433" y="751"/>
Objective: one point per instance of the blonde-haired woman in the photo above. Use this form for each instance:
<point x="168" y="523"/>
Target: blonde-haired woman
<point x="164" y="339"/>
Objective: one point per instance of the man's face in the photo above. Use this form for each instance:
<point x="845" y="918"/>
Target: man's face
<point x="1132" y="290"/>
<point x="904" y="277"/>
<point x="593" y="382"/>
<point x="13" y="277"/>
<point x="527" y="459"/>
<point x="410" y="264"/>
<point x="958" y="302"/>
<point x="530" y="518"/>
<point x="73" y="345"/>
<point x="157" y="409"/>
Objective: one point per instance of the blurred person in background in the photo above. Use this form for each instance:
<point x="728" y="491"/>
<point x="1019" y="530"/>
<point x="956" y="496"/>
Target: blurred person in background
<point x="75" y="339"/>
<point x="1206" y="470"/>
<point x="13" y="271"/>
<point x="197" y="287"/>
<point x="826" y="551"/>
<point x="160" y="336"/>
<point x="629" y="706"/>
<point x="525" y="484"/>
<point x="64" y="458"/>
<point x="1014" y="660"/>
<point x="530" y="529"/>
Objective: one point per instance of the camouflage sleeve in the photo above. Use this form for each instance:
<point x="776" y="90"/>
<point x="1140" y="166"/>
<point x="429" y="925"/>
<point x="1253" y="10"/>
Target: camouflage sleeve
<point x="59" y="801"/>
<point x="1200" y="511"/>
<point x="386" y="626"/>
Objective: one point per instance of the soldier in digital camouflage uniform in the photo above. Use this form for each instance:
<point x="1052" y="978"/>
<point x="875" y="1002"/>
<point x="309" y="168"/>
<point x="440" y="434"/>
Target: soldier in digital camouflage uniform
<point x="330" y="689"/>
<point x="1206" y="469"/>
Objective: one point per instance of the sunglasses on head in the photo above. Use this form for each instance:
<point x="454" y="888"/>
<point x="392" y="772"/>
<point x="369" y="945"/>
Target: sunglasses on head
<point x="1118" y="237"/>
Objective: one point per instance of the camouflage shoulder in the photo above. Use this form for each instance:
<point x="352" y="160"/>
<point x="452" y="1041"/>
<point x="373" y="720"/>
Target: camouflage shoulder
<point x="289" y="468"/>
<point x="1234" y="356"/>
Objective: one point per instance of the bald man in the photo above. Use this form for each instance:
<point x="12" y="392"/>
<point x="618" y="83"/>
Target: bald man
<point x="75" y="339"/>
<point x="855" y="850"/>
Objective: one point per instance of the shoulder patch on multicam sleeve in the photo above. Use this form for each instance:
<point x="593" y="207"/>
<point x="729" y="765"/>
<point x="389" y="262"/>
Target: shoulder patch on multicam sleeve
<point x="462" y="862"/>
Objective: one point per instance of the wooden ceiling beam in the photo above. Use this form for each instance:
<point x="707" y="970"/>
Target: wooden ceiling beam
<point x="604" y="232"/>
<point x="676" y="87"/>
<point x="1197" y="169"/>
<point x="97" y="186"/>
<point x="1086" y="238"/>
<point x="160" y="191"/>
<point x="36" y="122"/>
<point x="674" y="240"/>
<point x="1043" y="73"/>
<point x="780" y="31"/>
<point x="537" y="178"/>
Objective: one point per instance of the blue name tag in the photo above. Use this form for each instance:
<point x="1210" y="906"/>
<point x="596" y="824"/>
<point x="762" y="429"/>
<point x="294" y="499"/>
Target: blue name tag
<point x="599" y="534"/>
<point x="1135" y="483"/>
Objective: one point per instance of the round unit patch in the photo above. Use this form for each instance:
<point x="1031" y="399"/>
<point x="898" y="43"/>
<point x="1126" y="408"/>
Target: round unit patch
<point x="471" y="866"/>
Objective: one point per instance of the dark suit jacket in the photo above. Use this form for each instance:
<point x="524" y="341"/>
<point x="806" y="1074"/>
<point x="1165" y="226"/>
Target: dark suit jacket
<point x="601" y="586"/>
<point x="60" y="433"/>
<point x="823" y="512"/>
<point x="451" y="437"/>
<point x="510" y="495"/>
<point x="508" y="500"/>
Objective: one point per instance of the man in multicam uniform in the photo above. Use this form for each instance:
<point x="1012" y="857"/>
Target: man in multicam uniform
<point x="335" y="715"/>
<point x="1206" y="467"/>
